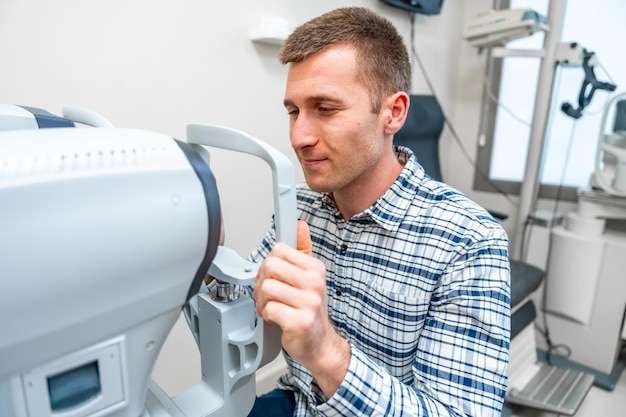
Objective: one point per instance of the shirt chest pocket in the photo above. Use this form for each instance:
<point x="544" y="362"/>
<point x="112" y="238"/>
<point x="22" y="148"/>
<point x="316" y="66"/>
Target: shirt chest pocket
<point x="386" y="323"/>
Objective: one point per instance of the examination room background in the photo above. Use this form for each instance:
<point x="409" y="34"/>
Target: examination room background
<point x="160" y="65"/>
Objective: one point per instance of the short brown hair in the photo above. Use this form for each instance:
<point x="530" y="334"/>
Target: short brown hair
<point x="382" y="58"/>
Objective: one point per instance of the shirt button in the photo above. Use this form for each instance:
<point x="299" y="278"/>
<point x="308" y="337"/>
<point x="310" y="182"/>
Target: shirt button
<point x="338" y="292"/>
<point x="343" y="248"/>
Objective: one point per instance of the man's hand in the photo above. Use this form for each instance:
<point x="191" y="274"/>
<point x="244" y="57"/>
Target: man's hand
<point x="291" y="292"/>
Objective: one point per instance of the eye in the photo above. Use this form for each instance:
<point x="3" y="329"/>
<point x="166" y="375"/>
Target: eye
<point x="293" y="113"/>
<point x="326" y="110"/>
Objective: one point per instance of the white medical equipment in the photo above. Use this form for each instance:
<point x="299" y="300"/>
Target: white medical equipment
<point x="586" y="292"/>
<point x="497" y="27"/>
<point x="106" y="235"/>
<point x="610" y="165"/>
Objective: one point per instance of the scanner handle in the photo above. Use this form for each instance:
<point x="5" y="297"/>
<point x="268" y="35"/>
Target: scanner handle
<point x="283" y="175"/>
<point x="85" y="116"/>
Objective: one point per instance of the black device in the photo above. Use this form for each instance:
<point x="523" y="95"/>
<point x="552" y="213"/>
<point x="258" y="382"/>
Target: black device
<point x="589" y="86"/>
<point x="428" y="7"/>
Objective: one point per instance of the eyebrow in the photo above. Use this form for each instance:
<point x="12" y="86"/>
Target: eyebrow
<point x="313" y="99"/>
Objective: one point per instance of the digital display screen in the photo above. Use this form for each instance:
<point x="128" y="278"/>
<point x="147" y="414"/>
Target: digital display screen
<point x="74" y="387"/>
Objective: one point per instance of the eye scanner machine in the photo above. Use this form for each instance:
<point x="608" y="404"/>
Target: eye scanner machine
<point x="106" y="235"/>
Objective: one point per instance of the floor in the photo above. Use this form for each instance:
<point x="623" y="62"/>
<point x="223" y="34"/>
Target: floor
<point x="598" y="403"/>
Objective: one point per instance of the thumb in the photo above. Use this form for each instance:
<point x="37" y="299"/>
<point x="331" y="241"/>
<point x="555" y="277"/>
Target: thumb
<point x="304" y="238"/>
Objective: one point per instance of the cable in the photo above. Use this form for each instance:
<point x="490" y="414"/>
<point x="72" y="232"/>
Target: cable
<point x="497" y="102"/>
<point x="561" y="350"/>
<point x="449" y="124"/>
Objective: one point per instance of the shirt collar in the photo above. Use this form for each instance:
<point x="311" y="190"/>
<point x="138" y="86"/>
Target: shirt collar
<point x="390" y="208"/>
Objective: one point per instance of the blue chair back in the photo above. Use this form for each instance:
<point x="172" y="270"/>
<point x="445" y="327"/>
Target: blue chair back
<point x="421" y="132"/>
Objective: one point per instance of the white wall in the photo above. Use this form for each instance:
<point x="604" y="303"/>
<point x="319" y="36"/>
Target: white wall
<point x="159" y="65"/>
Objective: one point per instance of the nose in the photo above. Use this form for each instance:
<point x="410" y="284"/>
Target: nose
<point x="302" y="131"/>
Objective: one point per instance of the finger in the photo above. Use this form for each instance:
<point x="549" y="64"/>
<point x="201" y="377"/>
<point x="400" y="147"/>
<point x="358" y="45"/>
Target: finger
<point x="279" y="314"/>
<point x="290" y="319"/>
<point x="279" y="291"/>
<point x="304" y="238"/>
<point x="285" y="260"/>
<point x="272" y="269"/>
<point x="294" y="269"/>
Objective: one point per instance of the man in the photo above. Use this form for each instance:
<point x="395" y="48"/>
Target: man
<point x="396" y="301"/>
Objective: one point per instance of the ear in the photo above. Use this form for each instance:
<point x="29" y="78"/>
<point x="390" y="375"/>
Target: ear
<point x="395" y="109"/>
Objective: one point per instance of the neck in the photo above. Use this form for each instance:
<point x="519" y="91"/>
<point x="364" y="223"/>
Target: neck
<point x="361" y="195"/>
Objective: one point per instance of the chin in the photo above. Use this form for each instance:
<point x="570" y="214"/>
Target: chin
<point x="317" y="186"/>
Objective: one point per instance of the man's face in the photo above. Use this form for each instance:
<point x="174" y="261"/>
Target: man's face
<point x="337" y="139"/>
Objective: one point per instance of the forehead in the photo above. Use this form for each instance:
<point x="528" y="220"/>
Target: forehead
<point x="331" y="73"/>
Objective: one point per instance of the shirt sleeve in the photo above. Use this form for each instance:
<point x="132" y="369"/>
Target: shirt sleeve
<point x="460" y="366"/>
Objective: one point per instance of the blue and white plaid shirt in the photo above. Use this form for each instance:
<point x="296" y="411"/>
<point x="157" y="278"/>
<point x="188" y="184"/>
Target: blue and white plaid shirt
<point x="419" y="285"/>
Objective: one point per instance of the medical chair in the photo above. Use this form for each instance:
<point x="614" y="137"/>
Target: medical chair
<point x="541" y="386"/>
